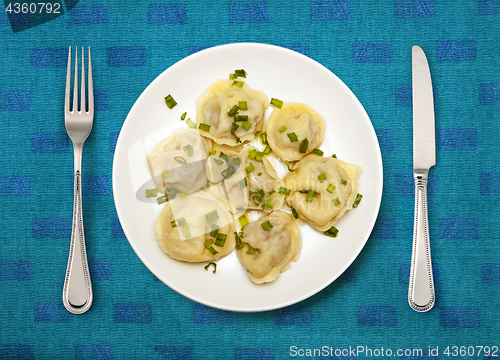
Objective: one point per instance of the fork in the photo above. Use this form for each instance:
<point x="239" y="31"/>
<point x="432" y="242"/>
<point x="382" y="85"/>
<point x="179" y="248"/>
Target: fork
<point x="77" y="291"/>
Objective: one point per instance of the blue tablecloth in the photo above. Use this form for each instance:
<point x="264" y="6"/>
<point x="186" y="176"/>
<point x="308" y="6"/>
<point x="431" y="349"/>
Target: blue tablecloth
<point x="365" y="313"/>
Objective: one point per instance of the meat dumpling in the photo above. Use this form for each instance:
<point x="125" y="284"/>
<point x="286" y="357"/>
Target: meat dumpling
<point x="269" y="244"/>
<point x="195" y="228"/>
<point x="179" y="161"/>
<point x="214" y="109"/>
<point x="322" y="189"/>
<point x="292" y="125"/>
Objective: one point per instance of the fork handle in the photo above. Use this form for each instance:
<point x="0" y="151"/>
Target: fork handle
<point x="77" y="291"/>
<point x="421" y="288"/>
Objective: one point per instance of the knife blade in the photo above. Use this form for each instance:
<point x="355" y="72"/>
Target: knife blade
<point x="421" y="296"/>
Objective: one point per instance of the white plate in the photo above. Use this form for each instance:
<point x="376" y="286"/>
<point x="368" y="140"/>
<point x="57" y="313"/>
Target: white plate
<point x="282" y="74"/>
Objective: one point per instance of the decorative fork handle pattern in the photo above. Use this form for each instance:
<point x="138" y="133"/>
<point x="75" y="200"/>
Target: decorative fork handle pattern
<point x="77" y="292"/>
<point x="421" y="289"/>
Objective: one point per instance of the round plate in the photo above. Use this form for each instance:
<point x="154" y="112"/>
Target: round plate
<point x="283" y="74"/>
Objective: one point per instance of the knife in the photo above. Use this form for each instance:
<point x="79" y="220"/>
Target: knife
<point x="421" y="289"/>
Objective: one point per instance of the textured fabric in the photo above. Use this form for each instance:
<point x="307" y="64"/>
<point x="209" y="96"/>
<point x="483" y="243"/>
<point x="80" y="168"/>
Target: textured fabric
<point x="134" y="316"/>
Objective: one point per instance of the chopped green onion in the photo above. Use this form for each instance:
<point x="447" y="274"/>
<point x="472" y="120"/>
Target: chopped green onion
<point x="218" y="161"/>
<point x="212" y="250"/>
<point x="189" y="149"/>
<point x="259" y="156"/>
<point x="151" y="193"/>
<point x="169" y="100"/>
<point x="303" y="146"/>
<point x="221" y="240"/>
<point x="336" y="201"/>
<point x="246" y="125"/>
<point x="237" y="238"/>
<point x="276" y="102"/>
<point x="228" y="172"/>
<point x="257" y="196"/>
<point x="259" y="174"/>
<point x="263" y="137"/>
<point x="332" y="232"/>
<point x="211" y="216"/>
<point x="268" y="204"/>
<point x="252" y="154"/>
<point x="267" y="150"/>
<point x="204" y="127"/>
<point x="165" y="174"/>
<point x="182" y="195"/>
<point x="334" y="156"/>
<point x="180" y="159"/>
<point x="310" y="195"/>
<point x="242" y="183"/>
<point x="266" y="225"/>
<point x="294" y="212"/>
<point x="191" y="124"/>
<point x="318" y="152"/>
<point x="249" y="168"/>
<point x="211" y="263"/>
<point x="292" y="136"/>
<point x="181" y="222"/>
<point x="232" y="76"/>
<point x="215" y="230"/>
<point x="270" y="192"/>
<point x="288" y="166"/>
<point x="343" y="182"/>
<point x="243" y="221"/>
<point x="213" y="152"/>
<point x="233" y="111"/>
<point x="357" y="200"/>
<point x="283" y="190"/>
<point x="221" y="236"/>
<point x="321" y="177"/>
<point x="162" y="199"/>
<point x="238" y="83"/>
<point x="236" y="161"/>
<point x="283" y="128"/>
<point x="208" y="243"/>
<point x="330" y="188"/>
<point x="243" y="105"/>
<point x="183" y="116"/>
<point x="173" y="224"/>
<point x="240" y="73"/>
<point x="240" y="117"/>
<point x="250" y="251"/>
<point x="186" y="231"/>
<point x="241" y="208"/>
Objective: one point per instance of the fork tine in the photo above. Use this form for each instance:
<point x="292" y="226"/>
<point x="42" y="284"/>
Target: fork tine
<point x="68" y="84"/>
<point x="90" y="85"/>
<point x="75" y="85"/>
<point x="82" y="91"/>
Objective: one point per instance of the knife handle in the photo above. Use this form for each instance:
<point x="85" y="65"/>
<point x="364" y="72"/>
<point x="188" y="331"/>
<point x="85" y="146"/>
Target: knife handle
<point x="421" y="290"/>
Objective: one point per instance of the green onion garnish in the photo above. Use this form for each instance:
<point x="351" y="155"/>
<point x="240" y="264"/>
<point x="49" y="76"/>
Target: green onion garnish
<point x="246" y="125"/>
<point x="221" y="239"/>
<point x="250" y="251"/>
<point x="292" y="136"/>
<point x="232" y="76"/>
<point x="173" y="224"/>
<point x="263" y="137"/>
<point x="212" y="216"/>
<point x="318" y="152"/>
<point x="241" y="208"/>
<point x="208" y="243"/>
<point x="283" y="190"/>
<point x="221" y="236"/>
<point x="180" y="159"/>
<point x="181" y="222"/>
<point x="189" y="149"/>
<point x="336" y="201"/>
<point x="276" y="102"/>
<point x="266" y="225"/>
<point x="237" y="238"/>
<point x="240" y="73"/>
<point x="233" y="111"/>
<point x="334" y="156"/>
<point x="228" y="172"/>
<point x="218" y="161"/>
<point x="243" y="221"/>
<point x="236" y="161"/>
<point x="343" y="182"/>
<point x="191" y="124"/>
<point x="151" y="193"/>
<point x="212" y="250"/>
<point x="257" y="196"/>
<point x="332" y="232"/>
<point x="242" y="183"/>
<point x="310" y="195"/>
<point x="213" y="152"/>
<point x="215" y="230"/>
<point x="259" y="156"/>
<point x="267" y="150"/>
<point x="240" y="117"/>
<point x="165" y="174"/>
<point x="270" y="192"/>
<point x="186" y="231"/>
<point x="169" y="100"/>
<point x="268" y="204"/>
<point x="249" y="168"/>
<point x="162" y="199"/>
<point x="238" y="83"/>
<point x="259" y="174"/>
<point x="357" y="200"/>
<point x="243" y="105"/>
<point x="283" y="128"/>
<point x="252" y="154"/>
<point x="321" y="177"/>
<point x="182" y="195"/>
<point x="303" y="146"/>
<point x="211" y="263"/>
<point x="294" y="212"/>
<point x="330" y="188"/>
<point x="288" y="166"/>
<point x="183" y="116"/>
<point x="204" y="127"/>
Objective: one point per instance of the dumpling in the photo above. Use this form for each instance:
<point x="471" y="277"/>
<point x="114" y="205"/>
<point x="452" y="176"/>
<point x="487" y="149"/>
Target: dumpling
<point x="178" y="162"/>
<point x="263" y="185"/>
<point x="322" y="189"/>
<point x="216" y="112"/>
<point x="269" y="244"/>
<point x="195" y="228"/>
<point x="294" y="130"/>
